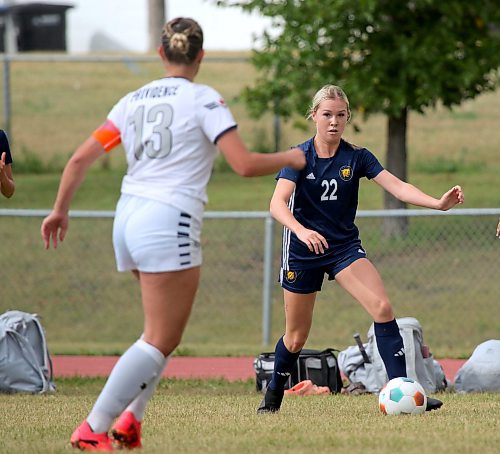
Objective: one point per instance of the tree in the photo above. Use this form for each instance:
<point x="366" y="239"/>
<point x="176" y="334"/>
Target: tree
<point x="157" y="13"/>
<point x="391" y="57"/>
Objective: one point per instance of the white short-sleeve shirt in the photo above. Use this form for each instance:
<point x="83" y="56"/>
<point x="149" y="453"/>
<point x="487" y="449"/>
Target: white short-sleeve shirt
<point x="169" y="128"/>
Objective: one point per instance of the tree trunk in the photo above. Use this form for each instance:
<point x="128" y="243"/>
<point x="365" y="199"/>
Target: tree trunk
<point x="397" y="165"/>
<point x="157" y="13"/>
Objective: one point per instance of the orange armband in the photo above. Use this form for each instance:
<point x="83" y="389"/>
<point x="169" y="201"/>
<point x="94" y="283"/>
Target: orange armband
<point x="108" y="135"/>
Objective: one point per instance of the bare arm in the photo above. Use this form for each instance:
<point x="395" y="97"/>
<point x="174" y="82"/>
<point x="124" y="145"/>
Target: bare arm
<point x="7" y="185"/>
<point x="280" y="211"/>
<point x="55" y="225"/>
<point x="250" y="164"/>
<point x="410" y="194"/>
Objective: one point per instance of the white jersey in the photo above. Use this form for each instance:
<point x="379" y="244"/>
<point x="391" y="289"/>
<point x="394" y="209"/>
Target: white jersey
<point x="169" y="128"/>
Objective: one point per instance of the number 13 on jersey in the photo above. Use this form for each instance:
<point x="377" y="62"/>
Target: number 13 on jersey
<point x="152" y="134"/>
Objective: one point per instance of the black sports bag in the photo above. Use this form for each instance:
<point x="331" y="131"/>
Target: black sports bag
<point x="319" y="366"/>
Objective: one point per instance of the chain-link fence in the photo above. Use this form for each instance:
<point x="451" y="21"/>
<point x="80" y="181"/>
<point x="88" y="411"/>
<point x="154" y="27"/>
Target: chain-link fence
<point x="445" y="272"/>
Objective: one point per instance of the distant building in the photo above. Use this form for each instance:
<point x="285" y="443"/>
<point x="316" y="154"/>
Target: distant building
<point x="33" y="27"/>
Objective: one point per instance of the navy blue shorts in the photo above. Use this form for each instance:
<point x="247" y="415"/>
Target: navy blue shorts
<point x="311" y="280"/>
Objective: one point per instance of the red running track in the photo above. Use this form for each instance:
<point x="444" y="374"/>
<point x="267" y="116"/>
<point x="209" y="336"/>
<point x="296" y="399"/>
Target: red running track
<point x="238" y="368"/>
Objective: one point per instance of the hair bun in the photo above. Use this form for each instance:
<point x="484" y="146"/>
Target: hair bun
<point x="180" y="42"/>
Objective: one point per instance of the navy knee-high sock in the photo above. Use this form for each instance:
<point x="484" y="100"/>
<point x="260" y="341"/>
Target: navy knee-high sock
<point x="284" y="361"/>
<point x="391" y="348"/>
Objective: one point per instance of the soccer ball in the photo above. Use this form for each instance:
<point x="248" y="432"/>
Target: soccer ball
<point x="402" y="396"/>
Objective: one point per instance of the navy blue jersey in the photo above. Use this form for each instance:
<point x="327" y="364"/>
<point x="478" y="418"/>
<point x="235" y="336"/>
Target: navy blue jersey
<point x="4" y="147"/>
<point x="325" y="199"/>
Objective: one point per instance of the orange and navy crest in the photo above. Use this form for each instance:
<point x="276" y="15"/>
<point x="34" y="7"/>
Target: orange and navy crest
<point x="291" y="276"/>
<point x="345" y="173"/>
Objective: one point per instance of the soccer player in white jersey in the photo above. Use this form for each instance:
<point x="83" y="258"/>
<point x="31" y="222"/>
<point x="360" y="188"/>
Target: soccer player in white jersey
<point x="169" y="129"/>
<point x="317" y="206"/>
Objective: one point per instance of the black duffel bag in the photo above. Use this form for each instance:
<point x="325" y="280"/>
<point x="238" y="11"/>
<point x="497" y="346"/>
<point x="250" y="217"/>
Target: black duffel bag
<point x="319" y="366"/>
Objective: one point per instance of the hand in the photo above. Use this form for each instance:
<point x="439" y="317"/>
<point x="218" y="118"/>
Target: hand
<point x="54" y="226"/>
<point x="2" y="162"/>
<point x="449" y="199"/>
<point x="297" y="159"/>
<point x="313" y="240"/>
<point x="498" y="229"/>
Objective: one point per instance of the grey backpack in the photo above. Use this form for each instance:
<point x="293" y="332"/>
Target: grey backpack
<point x="369" y="369"/>
<point x="25" y="364"/>
<point x="481" y="372"/>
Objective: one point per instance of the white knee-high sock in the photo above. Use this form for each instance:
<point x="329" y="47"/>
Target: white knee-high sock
<point x="132" y="374"/>
<point x="138" y="405"/>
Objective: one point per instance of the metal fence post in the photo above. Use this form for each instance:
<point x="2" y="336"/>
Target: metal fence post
<point x="6" y="97"/>
<point x="267" y="280"/>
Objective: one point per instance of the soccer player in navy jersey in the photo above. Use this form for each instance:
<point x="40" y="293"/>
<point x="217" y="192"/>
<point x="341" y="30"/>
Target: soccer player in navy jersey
<point x="317" y="207"/>
<point x="7" y="185"/>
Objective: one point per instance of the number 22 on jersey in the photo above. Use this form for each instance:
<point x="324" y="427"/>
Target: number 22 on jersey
<point x="330" y="192"/>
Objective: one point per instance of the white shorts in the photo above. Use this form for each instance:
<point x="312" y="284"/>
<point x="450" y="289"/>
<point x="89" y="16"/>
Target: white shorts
<point x="154" y="237"/>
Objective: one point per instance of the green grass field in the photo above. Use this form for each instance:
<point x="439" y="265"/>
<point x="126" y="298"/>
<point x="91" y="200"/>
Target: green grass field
<point x="219" y="417"/>
<point x="56" y="106"/>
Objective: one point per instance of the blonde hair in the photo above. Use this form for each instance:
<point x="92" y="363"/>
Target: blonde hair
<point x="328" y="92"/>
<point x="182" y="39"/>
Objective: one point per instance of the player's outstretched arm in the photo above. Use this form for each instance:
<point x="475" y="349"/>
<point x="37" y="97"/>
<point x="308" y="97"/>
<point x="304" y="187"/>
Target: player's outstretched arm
<point x="250" y="164"/>
<point x="408" y="193"/>
<point x="55" y="225"/>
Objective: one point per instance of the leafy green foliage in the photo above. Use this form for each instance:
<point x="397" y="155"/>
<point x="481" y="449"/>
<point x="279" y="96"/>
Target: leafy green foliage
<point x="388" y="56"/>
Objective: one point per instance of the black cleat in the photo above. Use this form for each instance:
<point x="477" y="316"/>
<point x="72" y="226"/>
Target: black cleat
<point x="271" y="402"/>
<point x="433" y="404"/>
